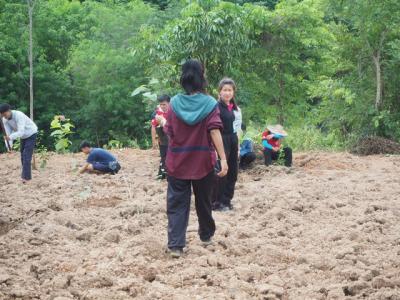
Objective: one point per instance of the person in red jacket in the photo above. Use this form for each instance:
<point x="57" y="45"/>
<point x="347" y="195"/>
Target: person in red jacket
<point x="272" y="142"/>
<point x="194" y="130"/>
<point x="158" y="136"/>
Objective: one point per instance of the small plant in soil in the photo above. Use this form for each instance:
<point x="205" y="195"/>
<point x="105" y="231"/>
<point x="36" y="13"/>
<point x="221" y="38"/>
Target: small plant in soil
<point x="61" y="130"/>
<point x="43" y="156"/>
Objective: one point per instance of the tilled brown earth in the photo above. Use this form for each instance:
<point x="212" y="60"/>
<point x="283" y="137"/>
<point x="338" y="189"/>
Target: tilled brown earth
<point x="329" y="228"/>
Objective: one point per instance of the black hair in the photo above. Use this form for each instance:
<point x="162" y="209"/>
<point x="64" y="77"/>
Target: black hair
<point x="231" y="82"/>
<point x="4" y="107"/>
<point x="164" y="98"/>
<point x="243" y="127"/>
<point x="193" y="79"/>
<point x="84" y="144"/>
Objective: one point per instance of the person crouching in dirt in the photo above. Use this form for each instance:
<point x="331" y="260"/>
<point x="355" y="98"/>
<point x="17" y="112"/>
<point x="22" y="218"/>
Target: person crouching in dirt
<point x="18" y="125"/>
<point x="247" y="154"/>
<point x="194" y="130"/>
<point x="272" y="142"/>
<point x="158" y="136"/>
<point x="99" y="160"/>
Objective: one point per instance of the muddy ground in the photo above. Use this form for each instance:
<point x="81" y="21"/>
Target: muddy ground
<point x="329" y="228"/>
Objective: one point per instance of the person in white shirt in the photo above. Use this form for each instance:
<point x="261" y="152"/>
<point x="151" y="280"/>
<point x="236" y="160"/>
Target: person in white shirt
<point x="18" y="125"/>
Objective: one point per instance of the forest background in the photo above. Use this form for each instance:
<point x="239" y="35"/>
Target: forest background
<point x="327" y="70"/>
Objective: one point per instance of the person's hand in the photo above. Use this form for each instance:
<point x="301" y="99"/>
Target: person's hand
<point x="161" y="120"/>
<point x="224" y="168"/>
<point x="83" y="169"/>
<point x="155" y="145"/>
<point x="275" y="149"/>
<point x="270" y="136"/>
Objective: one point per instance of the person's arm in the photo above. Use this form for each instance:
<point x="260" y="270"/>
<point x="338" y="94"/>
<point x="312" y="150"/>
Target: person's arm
<point x="219" y="146"/>
<point x="251" y="146"/>
<point x="8" y="130"/>
<point x="167" y="128"/>
<point x="239" y="121"/>
<point x="279" y="138"/>
<point x="154" y="137"/>
<point x="266" y="145"/>
<point x="84" y="168"/>
<point x="21" y="122"/>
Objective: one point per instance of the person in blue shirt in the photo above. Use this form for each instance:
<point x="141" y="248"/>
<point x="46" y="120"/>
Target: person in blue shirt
<point x="99" y="160"/>
<point x="246" y="154"/>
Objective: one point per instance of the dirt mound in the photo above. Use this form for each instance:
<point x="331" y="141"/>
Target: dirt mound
<point x="375" y="145"/>
<point x="324" y="161"/>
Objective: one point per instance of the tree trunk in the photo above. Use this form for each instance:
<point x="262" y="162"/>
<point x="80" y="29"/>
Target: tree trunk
<point x="281" y="117"/>
<point x="377" y="59"/>
<point x="30" y="52"/>
<point x="378" y="77"/>
<point x="31" y="4"/>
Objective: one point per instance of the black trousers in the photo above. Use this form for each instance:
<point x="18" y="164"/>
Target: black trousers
<point x="247" y="159"/>
<point x="27" y="148"/>
<point x="270" y="155"/>
<point x="178" y="208"/>
<point x="163" y="156"/>
<point x="225" y="187"/>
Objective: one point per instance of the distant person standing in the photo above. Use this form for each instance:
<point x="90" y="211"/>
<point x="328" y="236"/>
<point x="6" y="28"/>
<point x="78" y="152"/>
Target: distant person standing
<point x="193" y="126"/>
<point x="158" y="136"/>
<point x="19" y="125"/>
<point x="231" y="118"/>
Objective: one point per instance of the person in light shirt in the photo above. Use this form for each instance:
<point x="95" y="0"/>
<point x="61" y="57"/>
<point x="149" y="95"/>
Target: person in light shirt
<point x="18" y="125"/>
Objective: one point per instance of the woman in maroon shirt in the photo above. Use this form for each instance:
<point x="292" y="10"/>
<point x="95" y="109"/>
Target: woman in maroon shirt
<point x="193" y="126"/>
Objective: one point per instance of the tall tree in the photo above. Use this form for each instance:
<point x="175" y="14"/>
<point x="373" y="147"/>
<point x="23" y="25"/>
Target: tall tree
<point x="210" y="31"/>
<point x="373" y="25"/>
<point x="31" y="6"/>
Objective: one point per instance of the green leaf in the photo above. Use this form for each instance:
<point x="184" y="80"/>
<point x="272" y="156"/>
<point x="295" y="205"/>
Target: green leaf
<point x="57" y="132"/>
<point x="141" y="89"/>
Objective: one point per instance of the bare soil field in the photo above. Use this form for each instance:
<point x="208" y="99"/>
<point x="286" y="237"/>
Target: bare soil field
<point x="328" y="228"/>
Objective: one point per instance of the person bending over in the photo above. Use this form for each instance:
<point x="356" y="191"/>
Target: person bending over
<point x="99" y="160"/>
<point x="18" y="125"/>
<point x="272" y="142"/>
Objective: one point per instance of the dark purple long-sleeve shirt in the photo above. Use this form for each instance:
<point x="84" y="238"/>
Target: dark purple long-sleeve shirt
<point x="191" y="153"/>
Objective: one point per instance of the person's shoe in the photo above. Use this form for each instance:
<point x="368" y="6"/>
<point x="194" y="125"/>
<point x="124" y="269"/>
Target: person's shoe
<point x="207" y="242"/>
<point x="176" y="252"/>
<point x="223" y="208"/>
<point x="215" y="206"/>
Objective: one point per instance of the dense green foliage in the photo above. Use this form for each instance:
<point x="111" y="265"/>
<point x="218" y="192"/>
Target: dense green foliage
<point x="327" y="70"/>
